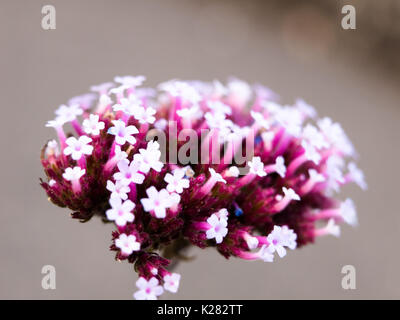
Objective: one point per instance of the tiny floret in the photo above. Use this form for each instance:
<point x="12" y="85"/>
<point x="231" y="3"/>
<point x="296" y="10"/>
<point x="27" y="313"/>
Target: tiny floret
<point x="123" y="133"/>
<point x="121" y="211"/>
<point x="73" y="174"/>
<point x="158" y="201"/>
<point x="148" y="289"/>
<point x="92" y="125"/>
<point x="176" y="181"/>
<point x="257" y="167"/>
<point x="218" y="228"/>
<point x="171" y="282"/>
<point x="291" y="194"/>
<point x="216" y="176"/>
<point x="77" y="148"/>
<point x="127" y="244"/>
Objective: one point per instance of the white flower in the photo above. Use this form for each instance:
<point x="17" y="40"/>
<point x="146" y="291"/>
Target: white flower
<point x="128" y="172"/>
<point x="310" y="152"/>
<point x="291" y="119"/>
<point x="218" y="228"/>
<point x="240" y="91"/>
<point x="277" y="241"/>
<point x="332" y="228"/>
<point x="181" y="89"/>
<point x="92" y="125"/>
<point x="127" y="244"/>
<point x="73" y="174"/>
<point x="314" y="137"/>
<point x="257" y="167"/>
<point x="58" y="122"/>
<point x="222" y="214"/>
<point x="171" y="282"/>
<point x="260" y="119"/>
<point x="130" y="81"/>
<point x="252" y="242"/>
<point x="119" y="91"/>
<point x="84" y="101"/>
<point x="271" y="106"/>
<point x="123" y="133"/>
<point x="219" y="107"/>
<point x="268" y="138"/>
<point x="280" y="167"/>
<point x="102" y="88"/>
<point x="219" y="89"/>
<point x="357" y="175"/>
<point x="161" y="124"/>
<point x="120" y="212"/>
<point x="69" y="113"/>
<point x="145" y="115"/>
<point x="265" y="254"/>
<point x="174" y="199"/>
<point x="334" y="173"/>
<point x="288" y="237"/>
<point x="52" y="148"/>
<point x="148" y="290"/>
<point x="119" y="154"/>
<point x="52" y="183"/>
<point x="305" y="108"/>
<point x="78" y="147"/>
<point x="158" y="201"/>
<point x="290" y="194"/>
<point x="216" y="176"/>
<point x="348" y="212"/>
<point x="118" y="189"/>
<point x="104" y="100"/>
<point x="335" y="134"/>
<point x="315" y="176"/>
<point x="190" y="113"/>
<point x="233" y="172"/>
<point x="130" y="106"/>
<point x="149" y="158"/>
<point x="176" y="182"/>
<point x="217" y="121"/>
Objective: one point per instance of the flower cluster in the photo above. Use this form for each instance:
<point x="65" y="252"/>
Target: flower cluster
<point x="279" y="196"/>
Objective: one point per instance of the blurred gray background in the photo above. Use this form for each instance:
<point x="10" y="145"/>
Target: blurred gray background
<point x="297" y="48"/>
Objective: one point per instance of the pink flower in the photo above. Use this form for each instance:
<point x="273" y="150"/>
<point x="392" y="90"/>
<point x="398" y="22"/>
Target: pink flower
<point x="224" y="166"/>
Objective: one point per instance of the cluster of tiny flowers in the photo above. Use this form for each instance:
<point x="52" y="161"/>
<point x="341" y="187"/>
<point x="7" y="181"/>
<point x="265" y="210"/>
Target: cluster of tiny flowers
<point x="281" y="197"/>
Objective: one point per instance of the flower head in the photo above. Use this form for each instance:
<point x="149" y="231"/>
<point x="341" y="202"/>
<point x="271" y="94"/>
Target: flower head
<point x="166" y="166"/>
